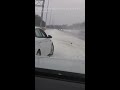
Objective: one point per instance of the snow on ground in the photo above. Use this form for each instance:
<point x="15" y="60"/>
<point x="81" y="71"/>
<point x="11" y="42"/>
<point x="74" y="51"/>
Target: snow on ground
<point x="69" y="54"/>
<point x="77" y="33"/>
<point x="67" y="46"/>
<point x="69" y="65"/>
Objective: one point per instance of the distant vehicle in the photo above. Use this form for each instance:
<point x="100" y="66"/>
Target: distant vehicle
<point x="43" y="44"/>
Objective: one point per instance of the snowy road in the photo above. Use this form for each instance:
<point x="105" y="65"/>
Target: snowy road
<point x="67" y="45"/>
<point x="69" y="54"/>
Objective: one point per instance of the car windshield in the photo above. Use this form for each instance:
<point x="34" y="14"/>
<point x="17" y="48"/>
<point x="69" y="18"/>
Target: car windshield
<point x="62" y="45"/>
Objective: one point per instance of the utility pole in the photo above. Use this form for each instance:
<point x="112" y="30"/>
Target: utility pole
<point x="50" y="17"/>
<point x="42" y="13"/>
<point x="47" y="12"/>
<point x="38" y="4"/>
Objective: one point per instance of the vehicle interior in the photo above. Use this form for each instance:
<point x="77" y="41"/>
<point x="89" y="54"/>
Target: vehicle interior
<point x="46" y="79"/>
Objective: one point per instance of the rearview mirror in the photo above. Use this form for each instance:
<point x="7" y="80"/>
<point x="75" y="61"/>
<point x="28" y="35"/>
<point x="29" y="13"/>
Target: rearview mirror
<point x="49" y="36"/>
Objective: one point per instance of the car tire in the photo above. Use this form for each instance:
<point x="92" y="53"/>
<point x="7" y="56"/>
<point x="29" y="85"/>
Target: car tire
<point x="39" y="52"/>
<point x="52" y="50"/>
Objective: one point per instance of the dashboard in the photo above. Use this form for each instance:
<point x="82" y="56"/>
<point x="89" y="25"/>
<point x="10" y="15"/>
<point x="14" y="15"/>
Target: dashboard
<point x="58" y="80"/>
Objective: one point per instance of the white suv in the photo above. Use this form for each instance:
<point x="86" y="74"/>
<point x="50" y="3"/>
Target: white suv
<point x="43" y="44"/>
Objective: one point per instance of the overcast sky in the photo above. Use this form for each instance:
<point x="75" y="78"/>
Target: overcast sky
<point x="64" y="11"/>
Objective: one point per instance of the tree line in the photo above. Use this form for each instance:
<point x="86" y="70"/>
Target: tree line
<point x="38" y="20"/>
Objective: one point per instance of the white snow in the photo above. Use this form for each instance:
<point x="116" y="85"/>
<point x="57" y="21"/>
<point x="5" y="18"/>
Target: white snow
<point x="69" y="54"/>
<point x="67" y="46"/>
<point x="69" y="65"/>
<point x="77" y="33"/>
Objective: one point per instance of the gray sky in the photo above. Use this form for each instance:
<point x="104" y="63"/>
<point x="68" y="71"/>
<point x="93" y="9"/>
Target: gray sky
<point x="64" y="11"/>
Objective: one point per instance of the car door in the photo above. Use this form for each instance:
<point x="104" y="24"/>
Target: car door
<point x="38" y="37"/>
<point x="45" y="44"/>
<point x="42" y="42"/>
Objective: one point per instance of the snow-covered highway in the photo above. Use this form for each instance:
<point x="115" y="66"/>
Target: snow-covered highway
<point x="66" y="45"/>
<point x="69" y="54"/>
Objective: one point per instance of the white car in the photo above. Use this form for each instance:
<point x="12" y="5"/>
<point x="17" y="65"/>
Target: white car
<point x="43" y="44"/>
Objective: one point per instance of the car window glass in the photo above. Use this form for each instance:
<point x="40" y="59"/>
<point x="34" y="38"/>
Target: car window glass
<point x="38" y="33"/>
<point x="43" y="34"/>
<point x="62" y="27"/>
